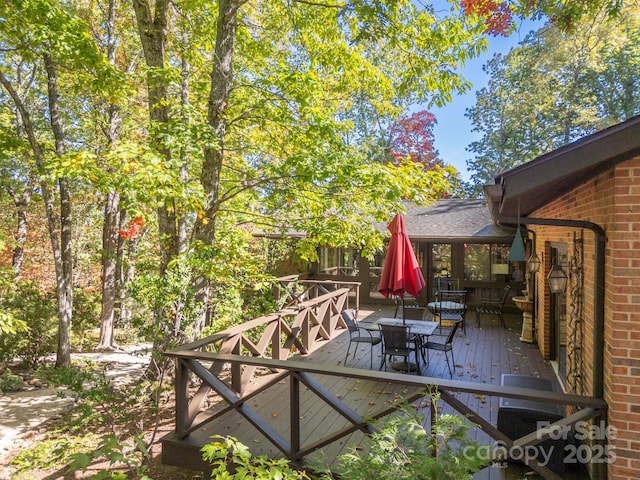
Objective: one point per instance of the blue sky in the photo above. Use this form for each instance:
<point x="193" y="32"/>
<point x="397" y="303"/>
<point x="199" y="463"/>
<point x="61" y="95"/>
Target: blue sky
<point x="453" y="130"/>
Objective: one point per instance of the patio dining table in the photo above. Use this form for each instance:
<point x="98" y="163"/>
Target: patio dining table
<point x="451" y="306"/>
<point x="446" y="305"/>
<point x="419" y="328"/>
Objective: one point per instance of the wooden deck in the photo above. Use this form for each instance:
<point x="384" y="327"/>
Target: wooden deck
<point x="481" y="356"/>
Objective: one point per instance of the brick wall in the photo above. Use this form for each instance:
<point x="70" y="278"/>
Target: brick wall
<point x="611" y="200"/>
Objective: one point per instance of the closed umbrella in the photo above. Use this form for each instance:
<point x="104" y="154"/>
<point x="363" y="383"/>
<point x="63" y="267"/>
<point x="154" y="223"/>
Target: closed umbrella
<point x="401" y="272"/>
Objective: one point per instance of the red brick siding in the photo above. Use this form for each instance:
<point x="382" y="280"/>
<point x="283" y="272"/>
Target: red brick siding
<point x="611" y="200"/>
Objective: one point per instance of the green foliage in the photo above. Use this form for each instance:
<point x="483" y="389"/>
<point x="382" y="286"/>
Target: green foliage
<point x="162" y="299"/>
<point x="10" y="382"/>
<point x="52" y="452"/>
<point x="55" y="28"/>
<point x="404" y="449"/>
<point x="554" y="88"/>
<point x="28" y="320"/>
<point x="86" y="316"/>
<point x="102" y="404"/>
<point x="241" y="287"/>
<point x="33" y="319"/>
<point x="233" y="460"/>
<point x="133" y="455"/>
<point x="10" y="324"/>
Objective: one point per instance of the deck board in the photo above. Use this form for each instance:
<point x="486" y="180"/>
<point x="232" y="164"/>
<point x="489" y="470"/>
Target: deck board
<point x="481" y="356"/>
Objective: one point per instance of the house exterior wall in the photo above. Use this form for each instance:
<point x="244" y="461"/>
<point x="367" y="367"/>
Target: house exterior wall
<point x="612" y="200"/>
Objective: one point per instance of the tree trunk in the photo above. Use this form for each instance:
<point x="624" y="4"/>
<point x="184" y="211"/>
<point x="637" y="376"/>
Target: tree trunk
<point x="111" y="212"/>
<point x="22" y="204"/>
<point x="183" y="237"/>
<point x="21" y="201"/>
<point x="152" y="30"/>
<point x="64" y="267"/>
<point x="220" y="88"/>
<point x="109" y="264"/>
<point x="58" y="233"/>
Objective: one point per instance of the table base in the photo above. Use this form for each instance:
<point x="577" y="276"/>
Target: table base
<point x="404" y="366"/>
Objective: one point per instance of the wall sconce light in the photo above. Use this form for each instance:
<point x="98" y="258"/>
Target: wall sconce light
<point x="534" y="263"/>
<point x="557" y="279"/>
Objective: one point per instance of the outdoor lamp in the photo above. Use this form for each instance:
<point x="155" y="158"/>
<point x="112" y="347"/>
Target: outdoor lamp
<point x="517" y="248"/>
<point x="533" y="263"/>
<point x="557" y="279"/>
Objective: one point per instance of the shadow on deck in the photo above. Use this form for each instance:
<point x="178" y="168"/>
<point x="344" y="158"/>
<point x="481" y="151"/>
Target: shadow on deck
<point x="481" y="355"/>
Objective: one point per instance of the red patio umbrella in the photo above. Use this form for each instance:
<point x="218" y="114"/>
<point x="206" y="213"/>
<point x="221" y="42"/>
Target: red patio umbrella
<point x="401" y="272"/>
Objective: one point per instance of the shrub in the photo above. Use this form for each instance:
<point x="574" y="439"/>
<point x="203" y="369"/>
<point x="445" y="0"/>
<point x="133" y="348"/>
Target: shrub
<point x="405" y="449"/>
<point x="233" y="460"/>
<point x="86" y="316"/>
<point x="28" y="304"/>
<point x="402" y="449"/>
<point x="10" y="382"/>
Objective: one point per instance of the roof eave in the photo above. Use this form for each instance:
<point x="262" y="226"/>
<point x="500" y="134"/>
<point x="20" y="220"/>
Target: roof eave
<point x="527" y="187"/>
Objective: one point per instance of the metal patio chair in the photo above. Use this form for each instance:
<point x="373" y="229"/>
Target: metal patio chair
<point x="397" y="341"/>
<point x="444" y="344"/>
<point x="451" y="306"/>
<point x="358" y="334"/>
<point x="493" y="307"/>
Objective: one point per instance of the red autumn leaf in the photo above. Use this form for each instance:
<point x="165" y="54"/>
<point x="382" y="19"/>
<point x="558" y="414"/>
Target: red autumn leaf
<point x="413" y="137"/>
<point x="496" y="14"/>
<point x="134" y="229"/>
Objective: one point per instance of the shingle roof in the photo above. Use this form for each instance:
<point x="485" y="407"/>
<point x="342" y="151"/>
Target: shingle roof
<point x="453" y="219"/>
<point x="445" y="220"/>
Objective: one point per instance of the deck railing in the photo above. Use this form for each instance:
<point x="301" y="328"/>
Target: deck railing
<point x="295" y="329"/>
<point x="227" y="361"/>
<point x="293" y="290"/>
<point x="303" y="373"/>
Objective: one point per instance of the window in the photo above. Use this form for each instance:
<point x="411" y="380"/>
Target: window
<point x="441" y="260"/>
<point x="500" y="261"/>
<point x="477" y="262"/>
<point x="338" y="261"/>
<point x="375" y="265"/>
<point x="486" y="262"/>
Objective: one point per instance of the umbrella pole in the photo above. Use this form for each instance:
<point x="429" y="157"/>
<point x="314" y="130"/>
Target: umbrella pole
<point x="405" y="366"/>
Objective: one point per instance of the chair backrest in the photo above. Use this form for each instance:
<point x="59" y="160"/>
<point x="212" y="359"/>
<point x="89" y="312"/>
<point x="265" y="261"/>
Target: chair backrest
<point x="505" y="294"/>
<point x="446" y="283"/>
<point x="349" y="317"/>
<point x="415" y="313"/>
<point x="452" y="301"/>
<point x="458" y="296"/>
<point x="452" y="333"/>
<point x="395" y="336"/>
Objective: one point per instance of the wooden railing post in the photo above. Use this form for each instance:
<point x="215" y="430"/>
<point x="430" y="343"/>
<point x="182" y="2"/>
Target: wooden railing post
<point x="236" y="369"/>
<point x="294" y="408"/>
<point x="182" y="398"/>
<point x="302" y="319"/>
<point x="276" y="345"/>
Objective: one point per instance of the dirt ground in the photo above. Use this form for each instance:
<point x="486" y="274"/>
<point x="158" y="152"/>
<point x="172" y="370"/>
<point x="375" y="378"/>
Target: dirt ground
<point x="26" y="416"/>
